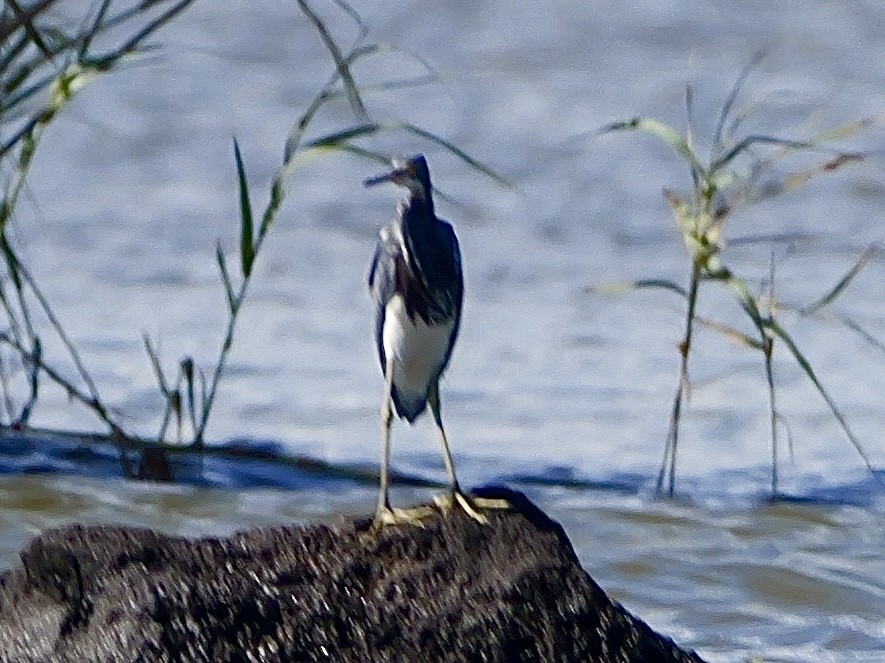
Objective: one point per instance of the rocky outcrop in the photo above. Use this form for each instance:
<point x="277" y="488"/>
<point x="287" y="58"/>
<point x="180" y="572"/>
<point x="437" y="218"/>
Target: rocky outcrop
<point x="453" y="590"/>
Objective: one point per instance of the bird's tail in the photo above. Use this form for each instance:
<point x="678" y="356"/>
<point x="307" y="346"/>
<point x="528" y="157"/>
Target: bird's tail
<point x="408" y="404"/>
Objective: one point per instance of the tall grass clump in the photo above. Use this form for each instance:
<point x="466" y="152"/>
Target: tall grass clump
<point x="44" y="64"/>
<point x="190" y="391"/>
<point x="737" y="171"/>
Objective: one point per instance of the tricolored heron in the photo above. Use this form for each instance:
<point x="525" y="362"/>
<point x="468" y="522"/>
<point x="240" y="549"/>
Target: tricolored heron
<point x="418" y="287"/>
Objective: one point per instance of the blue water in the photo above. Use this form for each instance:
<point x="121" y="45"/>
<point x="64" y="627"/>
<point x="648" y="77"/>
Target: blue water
<point x="560" y="392"/>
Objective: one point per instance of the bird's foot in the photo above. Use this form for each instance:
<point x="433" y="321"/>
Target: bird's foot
<point x="385" y="515"/>
<point x="470" y="504"/>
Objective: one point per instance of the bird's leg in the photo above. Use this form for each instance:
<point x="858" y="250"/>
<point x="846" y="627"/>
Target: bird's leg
<point x="457" y="496"/>
<point x="386" y="420"/>
<point x="433" y="400"/>
<point x="384" y="515"/>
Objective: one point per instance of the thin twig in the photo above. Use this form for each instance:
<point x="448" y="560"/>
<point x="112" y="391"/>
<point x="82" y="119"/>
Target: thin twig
<point x="353" y="95"/>
<point x="60" y="331"/>
<point x="675" y="416"/>
<point x="96" y="406"/>
<point x="725" y="112"/>
<point x="23" y="17"/>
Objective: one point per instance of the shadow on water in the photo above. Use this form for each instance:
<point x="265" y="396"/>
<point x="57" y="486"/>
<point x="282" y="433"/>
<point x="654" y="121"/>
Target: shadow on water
<point x="245" y="463"/>
<point x="236" y="464"/>
<point x="866" y="491"/>
<point x="561" y="476"/>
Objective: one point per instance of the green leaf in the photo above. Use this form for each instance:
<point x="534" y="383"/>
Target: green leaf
<point x="247" y="246"/>
<point x="225" y="278"/>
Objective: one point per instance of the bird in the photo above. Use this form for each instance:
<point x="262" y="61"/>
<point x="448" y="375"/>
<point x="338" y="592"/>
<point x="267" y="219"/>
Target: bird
<point x="417" y="285"/>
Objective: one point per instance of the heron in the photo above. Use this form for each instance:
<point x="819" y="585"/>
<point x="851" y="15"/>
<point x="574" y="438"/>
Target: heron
<point x="417" y="286"/>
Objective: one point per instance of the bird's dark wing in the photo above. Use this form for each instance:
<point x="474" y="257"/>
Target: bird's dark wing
<point x="456" y="290"/>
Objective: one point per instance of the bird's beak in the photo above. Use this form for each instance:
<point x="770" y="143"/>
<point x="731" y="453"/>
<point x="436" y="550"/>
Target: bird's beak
<point x="392" y="176"/>
<point x="380" y="179"/>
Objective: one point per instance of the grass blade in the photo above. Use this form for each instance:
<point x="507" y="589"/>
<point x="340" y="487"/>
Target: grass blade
<point x="732" y="97"/>
<point x="161" y="381"/>
<point x="795" y="180"/>
<point x="11" y="264"/>
<point x="24" y="19"/>
<point x="781" y="333"/>
<point x="345" y="135"/>
<point x="94" y="30"/>
<point x="689" y="130"/>
<point x="620" y="287"/>
<point x="863" y="333"/>
<point x="869" y="253"/>
<point x="663" y="132"/>
<point x="225" y="278"/>
<point x="187" y="368"/>
<point x="846" y="130"/>
<point x="155" y="364"/>
<point x="458" y="152"/>
<point x="132" y="44"/>
<point x="768" y="350"/>
<point x="745" y="144"/>
<point x="353" y="94"/>
<point x="247" y="244"/>
<point x="731" y="333"/>
<point x="354" y="15"/>
<point x="852" y="325"/>
<point x="339" y="139"/>
<point x="746" y="299"/>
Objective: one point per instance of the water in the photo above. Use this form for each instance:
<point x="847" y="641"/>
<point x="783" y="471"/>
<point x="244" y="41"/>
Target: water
<point x="559" y="392"/>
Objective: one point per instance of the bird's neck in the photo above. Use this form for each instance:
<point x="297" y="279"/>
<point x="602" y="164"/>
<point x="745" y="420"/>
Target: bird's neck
<point x="418" y="208"/>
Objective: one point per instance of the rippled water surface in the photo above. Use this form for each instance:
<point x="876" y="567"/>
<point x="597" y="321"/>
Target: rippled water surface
<point x="560" y="393"/>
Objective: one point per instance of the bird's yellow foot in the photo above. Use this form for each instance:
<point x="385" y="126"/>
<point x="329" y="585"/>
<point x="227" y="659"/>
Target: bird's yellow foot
<point x="414" y="516"/>
<point x="470" y="505"/>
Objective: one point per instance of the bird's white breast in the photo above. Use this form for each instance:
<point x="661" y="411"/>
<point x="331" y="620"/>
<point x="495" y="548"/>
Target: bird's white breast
<point x="416" y="349"/>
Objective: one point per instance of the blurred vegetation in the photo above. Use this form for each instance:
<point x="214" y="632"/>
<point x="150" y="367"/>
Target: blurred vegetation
<point x="47" y="58"/>
<point x="44" y="63"/>
<point x="739" y="171"/>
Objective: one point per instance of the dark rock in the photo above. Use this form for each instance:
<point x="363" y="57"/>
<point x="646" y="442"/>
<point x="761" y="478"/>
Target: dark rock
<point x="453" y="590"/>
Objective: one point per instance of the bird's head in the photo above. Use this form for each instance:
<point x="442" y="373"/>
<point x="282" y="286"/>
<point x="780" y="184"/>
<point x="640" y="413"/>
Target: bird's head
<point x="411" y="173"/>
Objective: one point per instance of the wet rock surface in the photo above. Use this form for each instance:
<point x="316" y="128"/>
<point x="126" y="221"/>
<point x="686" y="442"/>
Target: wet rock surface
<point x="452" y="590"/>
